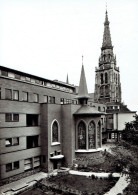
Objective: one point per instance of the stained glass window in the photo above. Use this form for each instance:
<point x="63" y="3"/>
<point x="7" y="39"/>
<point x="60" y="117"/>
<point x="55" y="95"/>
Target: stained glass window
<point x="81" y="136"/>
<point x="99" y="135"/>
<point x="91" y="135"/>
<point x="55" y="132"/>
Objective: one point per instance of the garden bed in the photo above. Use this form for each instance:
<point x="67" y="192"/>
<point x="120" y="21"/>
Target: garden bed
<point x="74" y="184"/>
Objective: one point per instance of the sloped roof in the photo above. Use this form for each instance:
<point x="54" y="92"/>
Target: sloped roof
<point x="87" y="110"/>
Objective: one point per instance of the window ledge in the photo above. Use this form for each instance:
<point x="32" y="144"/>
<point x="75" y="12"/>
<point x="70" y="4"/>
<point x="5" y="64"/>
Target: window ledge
<point x="88" y="151"/>
<point x="55" y="143"/>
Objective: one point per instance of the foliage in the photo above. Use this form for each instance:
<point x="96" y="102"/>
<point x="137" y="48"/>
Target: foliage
<point x="130" y="133"/>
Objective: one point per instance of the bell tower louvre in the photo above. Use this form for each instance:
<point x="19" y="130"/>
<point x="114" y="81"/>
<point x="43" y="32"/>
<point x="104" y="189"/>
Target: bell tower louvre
<point x="107" y="77"/>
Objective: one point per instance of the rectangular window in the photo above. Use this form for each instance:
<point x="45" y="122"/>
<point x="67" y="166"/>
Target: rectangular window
<point x="8" y="94"/>
<point x="25" y="96"/>
<point x="15" y="141"/>
<point x="8" y="117"/>
<point x="0" y="93"/>
<point x="8" y="167"/>
<point x="32" y="141"/>
<point x="27" y="164"/>
<point x="32" y="120"/>
<point x="4" y="73"/>
<point x="8" y="142"/>
<point x="16" y="117"/>
<point x="17" y="76"/>
<point x="12" y="141"/>
<point x="113" y="136"/>
<point x="16" y="165"/>
<point x="15" y="95"/>
<point x="102" y="121"/>
<point x="62" y="100"/>
<point x="45" y="98"/>
<point x="51" y="100"/>
<point x="35" y="97"/>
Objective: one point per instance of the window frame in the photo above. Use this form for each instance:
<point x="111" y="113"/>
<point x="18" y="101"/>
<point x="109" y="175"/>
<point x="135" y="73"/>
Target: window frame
<point x="24" y="99"/>
<point x="14" y="94"/>
<point x="58" y="142"/>
<point x="12" y="142"/>
<point x="36" y="98"/>
<point x="8" y="98"/>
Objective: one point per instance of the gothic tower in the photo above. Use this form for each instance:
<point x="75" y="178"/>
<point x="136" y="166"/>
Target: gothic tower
<point x="107" y="78"/>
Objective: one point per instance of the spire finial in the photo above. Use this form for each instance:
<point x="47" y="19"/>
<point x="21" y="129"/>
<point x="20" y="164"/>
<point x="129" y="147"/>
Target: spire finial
<point x="82" y="59"/>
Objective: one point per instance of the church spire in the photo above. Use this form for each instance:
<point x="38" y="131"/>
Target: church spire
<point x="82" y="91"/>
<point x="107" y="43"/>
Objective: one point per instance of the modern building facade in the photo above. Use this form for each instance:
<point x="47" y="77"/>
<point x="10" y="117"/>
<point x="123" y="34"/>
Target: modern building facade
<point x="49" y="124"/>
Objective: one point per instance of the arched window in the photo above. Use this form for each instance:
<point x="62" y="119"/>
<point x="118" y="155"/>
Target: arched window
<point x="99" y="134"/>
<point x="55" y="134"/>
<point x="106" y="90"/>
<point x="81" y="135"/>
<point x="101" y="78"/>
<point x="106" y="77"/>
<point x="91" y="135"/>
<point x="102" y="90"/>
<point x="116" y="78"/>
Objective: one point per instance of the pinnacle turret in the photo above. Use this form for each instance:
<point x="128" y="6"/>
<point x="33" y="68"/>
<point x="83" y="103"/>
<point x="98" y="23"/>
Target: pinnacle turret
<point x="107" y="43"/>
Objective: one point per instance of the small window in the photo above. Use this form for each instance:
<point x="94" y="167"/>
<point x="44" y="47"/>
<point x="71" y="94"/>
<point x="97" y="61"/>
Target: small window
<point x="15" y="141"/>
<point x="102" y="121"/>
<point x="0" y="93"/>
<point x="51" y="100"/>
<point x="12" y="141"/>
<point x="35" y="97"/>
<point x="16" y="165"/>
<point x="15" y="95"/>
<point x="8" y="117"/>
<point x="32" y="141"/>
<point x="25" y="96"/>
<point x="32" y="120"/>
<point x="4" y="73"/>
<point x="8" y="94"/>
<point x="8" y="167"/>
<point x="99" y="108"/>
<point x="8" y="142"/>
<point x="16" y="117"/>
<point x="17" y="76"/>
<point x="45" y="98"/>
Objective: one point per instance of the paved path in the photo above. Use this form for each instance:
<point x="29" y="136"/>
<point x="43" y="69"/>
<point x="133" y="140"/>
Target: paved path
<point x="93" y="173"/>
<point x="119" y="186"/>
<point x="22" y="184"/>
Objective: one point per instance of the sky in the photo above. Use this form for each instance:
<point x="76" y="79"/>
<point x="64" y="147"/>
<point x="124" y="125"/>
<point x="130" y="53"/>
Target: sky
<point x="47" y="38"/>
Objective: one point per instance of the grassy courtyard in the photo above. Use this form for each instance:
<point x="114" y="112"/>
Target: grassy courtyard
<point x="91" y="185"/>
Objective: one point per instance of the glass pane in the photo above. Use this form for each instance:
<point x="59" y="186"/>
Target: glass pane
<point x="91" y="135"/>
<point x="15" y="141"/>
<point x="99" y="135"/>
<point x="8" y="94"/>
<point x="81" y="136"/>
<point x="15" y="117"/>
<point x="16" y="95"/>
<point x="8" y="117"/>
<point x="25" y="96"/>
<point x="55" y="132"/>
